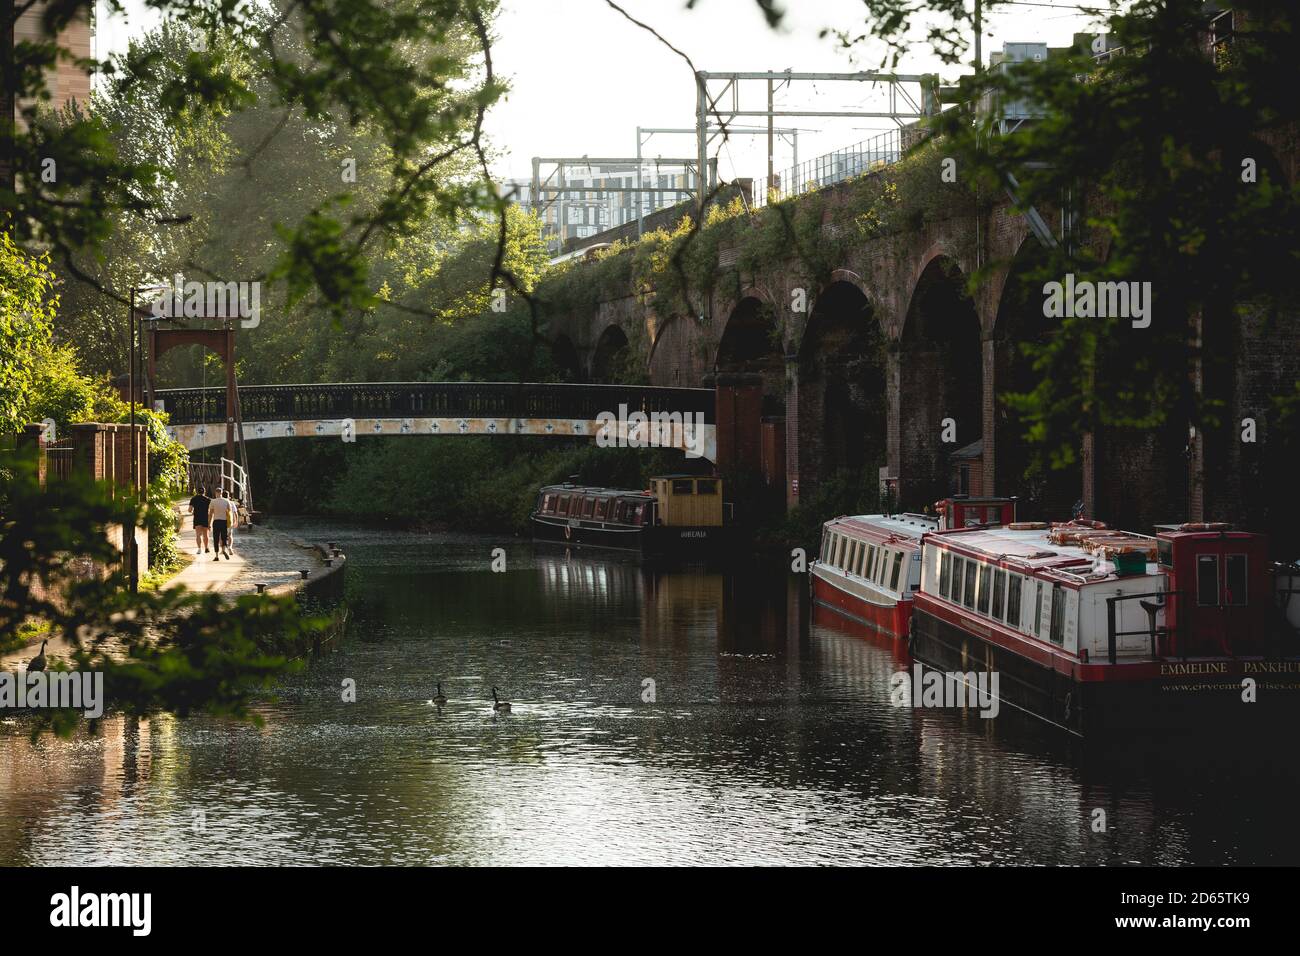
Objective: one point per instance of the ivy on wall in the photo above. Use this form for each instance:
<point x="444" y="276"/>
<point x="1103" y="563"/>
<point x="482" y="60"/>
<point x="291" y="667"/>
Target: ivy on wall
<point x="676" y="272"/>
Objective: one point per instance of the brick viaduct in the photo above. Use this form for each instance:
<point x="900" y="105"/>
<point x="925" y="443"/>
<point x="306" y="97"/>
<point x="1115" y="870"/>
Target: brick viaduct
<point x="890" y="347"/>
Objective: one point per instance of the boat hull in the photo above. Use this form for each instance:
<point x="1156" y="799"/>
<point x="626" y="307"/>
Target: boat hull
<point x="657" y="540"/>
<point x="1201" y="696"/>
<point x="889" y="619"/>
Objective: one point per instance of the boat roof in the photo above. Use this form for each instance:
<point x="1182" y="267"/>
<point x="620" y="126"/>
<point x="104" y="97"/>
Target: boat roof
<point x="883" y="526"/>
<point x="593" y="490"/>
<point x="1032" y="550"/>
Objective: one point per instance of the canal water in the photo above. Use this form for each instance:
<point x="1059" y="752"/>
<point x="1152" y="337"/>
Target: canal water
<point x="659" y="717"/>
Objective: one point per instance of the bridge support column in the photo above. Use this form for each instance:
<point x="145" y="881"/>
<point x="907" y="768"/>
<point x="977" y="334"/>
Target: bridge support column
<point x="792" y="410"/>
<point x="739" y="412"/>
<point x="893" y="425"/>
<point x="990" y="422"/>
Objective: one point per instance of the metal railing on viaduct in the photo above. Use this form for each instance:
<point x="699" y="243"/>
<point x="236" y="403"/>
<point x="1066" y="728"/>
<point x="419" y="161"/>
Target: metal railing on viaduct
<point x="273" y="403"/>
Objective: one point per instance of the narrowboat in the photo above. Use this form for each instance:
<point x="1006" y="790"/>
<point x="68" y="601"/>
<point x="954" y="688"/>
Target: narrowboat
<point x="678" y="515"/>
<point x="1099" y="631"/>
<point x="870" y="565"/>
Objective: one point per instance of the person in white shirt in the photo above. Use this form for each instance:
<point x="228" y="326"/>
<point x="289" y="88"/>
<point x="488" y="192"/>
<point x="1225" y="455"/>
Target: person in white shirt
<point x="222" y="512"/>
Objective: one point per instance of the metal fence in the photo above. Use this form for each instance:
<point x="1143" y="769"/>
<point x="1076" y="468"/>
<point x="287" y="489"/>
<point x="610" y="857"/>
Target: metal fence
<point x="270" y="403"/>
<point x="874" y="153"/>
<point x="58" y="459"/>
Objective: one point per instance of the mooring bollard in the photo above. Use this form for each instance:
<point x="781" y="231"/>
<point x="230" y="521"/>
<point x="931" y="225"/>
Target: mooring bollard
<point x="337" y="552"/>
<point x="333" y="546"/>
<point x="305" y="573"/>
<point x="329" y="562"/>
<point x="261" y="588"/>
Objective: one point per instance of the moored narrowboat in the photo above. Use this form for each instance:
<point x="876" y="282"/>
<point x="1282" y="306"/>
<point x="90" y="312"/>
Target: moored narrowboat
<point x="678" y="515"/>
<point x="869" y="567"/>
<point x="1098" y="631"/>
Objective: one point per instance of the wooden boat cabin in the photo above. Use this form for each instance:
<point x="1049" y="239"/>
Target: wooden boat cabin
<point x="678" y="514"/>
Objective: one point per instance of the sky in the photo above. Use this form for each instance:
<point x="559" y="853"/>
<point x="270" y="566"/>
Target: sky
<point x="583" y="78"/>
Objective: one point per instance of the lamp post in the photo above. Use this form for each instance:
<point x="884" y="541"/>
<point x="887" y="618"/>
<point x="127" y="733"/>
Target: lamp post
<point x="133" y="575"/>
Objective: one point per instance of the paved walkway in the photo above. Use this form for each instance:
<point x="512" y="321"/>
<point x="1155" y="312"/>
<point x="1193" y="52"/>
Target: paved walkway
<point x="260" y="556"/>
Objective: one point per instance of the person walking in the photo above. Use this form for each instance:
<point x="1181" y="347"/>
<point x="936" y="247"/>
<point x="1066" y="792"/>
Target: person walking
<point x="221" y="510"/>
<point x="199" y="509"/>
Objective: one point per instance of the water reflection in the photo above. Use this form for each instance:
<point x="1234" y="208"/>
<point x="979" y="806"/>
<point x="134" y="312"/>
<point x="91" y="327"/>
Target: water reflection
<point x="771" y="739"/>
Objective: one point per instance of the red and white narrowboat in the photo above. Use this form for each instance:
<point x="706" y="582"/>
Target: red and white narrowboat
<point x="870" y="565"/>
<point x="1097" y="631"/>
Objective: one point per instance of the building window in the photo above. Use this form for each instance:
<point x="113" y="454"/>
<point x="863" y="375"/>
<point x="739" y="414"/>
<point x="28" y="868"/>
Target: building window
<point x="706" y="486"/>
<point x="682" y="486"/>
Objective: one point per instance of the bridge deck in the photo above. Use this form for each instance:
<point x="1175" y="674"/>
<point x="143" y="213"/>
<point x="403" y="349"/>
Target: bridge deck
<point x="526" y="400"/>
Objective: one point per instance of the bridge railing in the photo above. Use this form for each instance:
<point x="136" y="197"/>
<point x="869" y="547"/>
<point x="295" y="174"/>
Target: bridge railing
<point x="269" y="403"/>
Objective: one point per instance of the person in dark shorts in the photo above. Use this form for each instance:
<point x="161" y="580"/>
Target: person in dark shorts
<point x="222" y="513"/>
<point x="199" y="508"/>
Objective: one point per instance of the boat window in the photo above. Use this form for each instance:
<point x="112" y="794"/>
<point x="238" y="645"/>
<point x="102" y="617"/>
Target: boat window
<point x="706" y="486"/>
<point x="588" y="507"/>
<point x="563" y="505"/>
<point x="999" y="589"/>
<point x="1165" y="552"/>
<point x="945" y="573"/>
<point x="637" y="513"/>
<point x="602" y="508"/>
<point x="1013" y="600"/>
<point x="986" y="573"/>
<point x="1058" y="615"/>
<point x="836" y="546"/>
<point x="956" y="579"/>
<point x="851" y="562"/>
<point x="1038" y="610"/>
<point x="682" y="486"/>
<point x="1234" y="570"/>
<point x="898" y="569"/>
<point x="883" y="569"/>
<point x="826" y="544"/>
<point x="862" y="559"/>
<point x="1207" y="579"/>
<point x="968" y="592"/>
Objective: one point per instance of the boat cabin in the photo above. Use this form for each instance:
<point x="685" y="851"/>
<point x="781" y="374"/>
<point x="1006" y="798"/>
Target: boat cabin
<point x="604" y="505"/>
<point x="688" y="501"/>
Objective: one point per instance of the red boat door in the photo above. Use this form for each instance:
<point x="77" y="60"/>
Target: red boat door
<point x="1223" y="576"/>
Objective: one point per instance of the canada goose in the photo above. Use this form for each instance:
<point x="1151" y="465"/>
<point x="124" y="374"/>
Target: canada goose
<point x="439" y="701"/>
<point x="500" y="706"/>
<point x="37" y="663"/>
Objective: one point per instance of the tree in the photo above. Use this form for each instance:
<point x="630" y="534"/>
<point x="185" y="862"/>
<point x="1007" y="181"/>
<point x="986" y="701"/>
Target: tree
<point x="413" y="75"/>
<point x="27" y="305"/>
<point x="172" y="650"/>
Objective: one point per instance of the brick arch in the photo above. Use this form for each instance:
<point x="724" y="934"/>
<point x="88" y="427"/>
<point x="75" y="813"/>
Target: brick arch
<point x="749" y="343"/>
<point x="672" y="360"/>
<point x="608" y="352"/>
<point x="939" y="374"/>
<point x="839" y="388"/>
